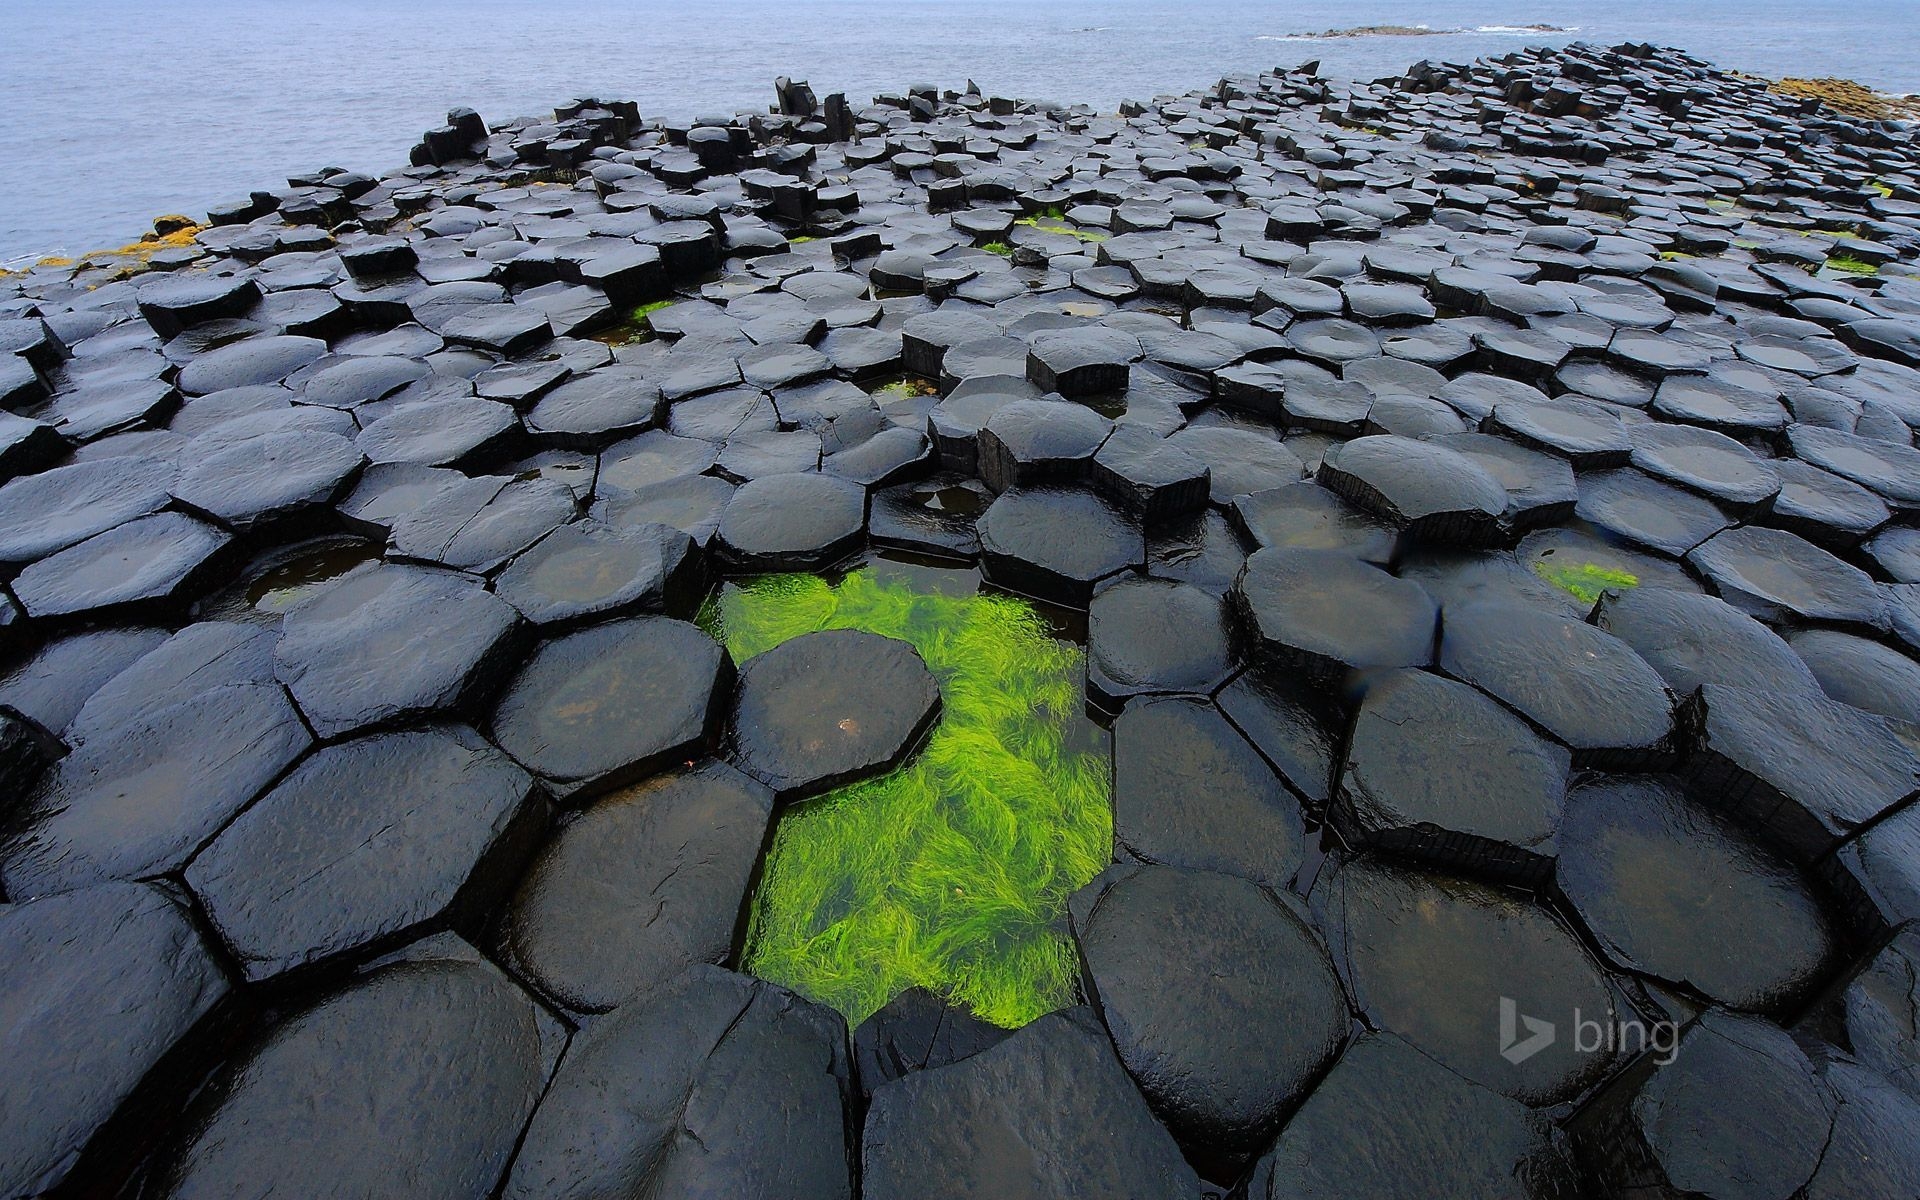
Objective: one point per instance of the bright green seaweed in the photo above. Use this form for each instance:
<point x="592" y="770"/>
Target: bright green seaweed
<point x="952" y="872"/>
<point x="1586" y="580"/>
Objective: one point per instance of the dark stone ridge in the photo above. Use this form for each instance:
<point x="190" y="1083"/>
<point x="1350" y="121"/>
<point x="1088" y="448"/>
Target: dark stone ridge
<point x="1391" y="1123"/>
<point x="102" y="986"/>
<point x="367" y="843"/>
<point x="717" y="1085"/>
<point x="1436" y="770"/>
<point x="1673" y="892"/>
<point x="1000" y="1112"/>
<point x="446" y="1120"/>
<point x="916" y="1031"/>
<point x="391" y="643"/>
<point x="1437" y="494"/>
<point x="1220" y="999"/>
<point x="830" y="708"/>
<point x="609" y="705"/>
<point x="649" y="880"/>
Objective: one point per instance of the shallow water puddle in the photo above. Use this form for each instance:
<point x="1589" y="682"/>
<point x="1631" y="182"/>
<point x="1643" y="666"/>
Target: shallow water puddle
<point x="952" y="872"/>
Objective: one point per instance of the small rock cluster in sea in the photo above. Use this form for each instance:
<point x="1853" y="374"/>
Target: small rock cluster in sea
<point x="1487" y="497"/>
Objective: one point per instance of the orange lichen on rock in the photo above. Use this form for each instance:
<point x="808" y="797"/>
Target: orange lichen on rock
<point x="1851" y="99"/>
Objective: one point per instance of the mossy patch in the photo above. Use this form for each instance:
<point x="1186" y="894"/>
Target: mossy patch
<point x="1586" y="580"/>
<point x="1000" y="248"/>
<point x="951" y="873"/>
<point x="906" y="387"/>
<point x="1851" y="265"/>
<point x="635" y="326"/>
<point x="1049" y="224"/>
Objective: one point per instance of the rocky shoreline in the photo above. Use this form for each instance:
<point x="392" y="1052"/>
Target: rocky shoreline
<point x="1452" y="538"/>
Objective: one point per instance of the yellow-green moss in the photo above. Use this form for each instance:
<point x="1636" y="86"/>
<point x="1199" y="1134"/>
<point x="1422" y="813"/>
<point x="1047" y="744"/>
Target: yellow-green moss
<point x="1000" y="248"/>
<point x="1586" y="580"/>
<point x="951" y="873"/>
<point x="1851" y="265"/>
<point x="1052" y="225"/>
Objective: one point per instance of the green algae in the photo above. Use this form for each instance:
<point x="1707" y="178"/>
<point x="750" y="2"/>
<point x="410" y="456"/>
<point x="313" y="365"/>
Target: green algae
<point x="1000" y="248"/>
<point x="635" y="326"/>
<point x="1586" y="580"/>
<point x="1851" y="265"/>
<point x="1049" y="224"/>
<point x="951" y="873"/>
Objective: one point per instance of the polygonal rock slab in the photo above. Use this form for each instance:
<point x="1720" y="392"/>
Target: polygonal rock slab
<point x="609" y="705"/>
<point x="1032" y="442"/>
<point x="1306" y="516"/>
<point x="433" y="1065"/>
<point x="1672" y="891"/>
<point x="717" y="1085"/>
<point x="829" y="708"/>
<point x="101" y="984"/>
<point x="585" y="570"/>
<point x="140" y="800"/>
<point x="1081" y="362"/>
<point x="1437" y="494"/>
<point x="270" y="478"/>
<point x="1056" y="543"/>
<point x="1872" y="1151"/>
<point x="1773" y="575"/>
<point x="1863" y="673"/>
<point x="1736" y="1114"/>
<point x="1006" y="1111"/>
<point x="1586" y="688"/>
<point x="1189" y="791"/>
<point x="152" y="562"/>
<point x="1220" y="999"/>
<point x="1328" y="613"/>
<point x="1432" y="959"/>
<point x="389" y="643"/>
<point x="1691" y="639"/>
<point x="916" y="1031"/>
<point x="366" y="843"/>
<point x="1807" y="769"/>
<point x="1155" y="635"/>
<point x="1359" y="1135"/>
<point x="648" y="881"/>
<point x="792" y="522"/>
<point x="44" y="513"/>
<point x="1436" y="770"/>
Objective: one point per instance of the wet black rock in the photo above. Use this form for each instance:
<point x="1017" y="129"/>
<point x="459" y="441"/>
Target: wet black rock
<point x="830" y="708"/>
<point x="716" y="1085"/>
<point x="1056" y="543"/>
<point x="609" y="705"/>
<point x="50" y="687"/>
<point x="250" y="361"/>
<point x="41" y="514"/>
<point x="916" y="1031"/>
<point x="366" y="844"/>
<point x="1032" y="442"/>
<point x="1436" y="961"/>
<point x="1774" y="575"/>
<point x="1585" y="687"/>
<point x="1150" y="478"/>
<point x="788" y="522"/>
<point x="1327" y="613"/>
<point x="1693" y="639"/>
<point x="445" y="1121"/>
<point x="1737" y="1112"/>
<point x="1306" y="516"/>
<point x="139" y="801"/>
<point x="1863" y="673"/>
<point x="1357" y="1135"/>
<point x="1189" y="791"/>
<point x="1806" y="769"/>
<point x="1149" y="636"/>
<point x="1701" y="460"/>
<point x="274" y="477"/>
<point x="649" y="880"/>
<point x="1436" y="770"/>
<point x="1220" y="999"/>
<point x="1872" y="1150"/>
<point x="391" y="643"/>
<point x="104" y="986"/>
<point x="1081" y="362"/>
<point x="1675" y="893"/>
<point x="1001" y="1111"/>
<point x="151" y="563"/>
<point x="583" y="571"/>
<point x="1435" y="493"/>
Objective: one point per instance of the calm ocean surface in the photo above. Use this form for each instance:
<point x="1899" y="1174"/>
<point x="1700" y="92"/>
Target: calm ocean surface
<point x="113" y="111"/>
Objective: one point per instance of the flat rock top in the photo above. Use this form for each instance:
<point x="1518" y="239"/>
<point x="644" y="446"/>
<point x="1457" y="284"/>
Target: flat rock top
<point x="829" y="708"/>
